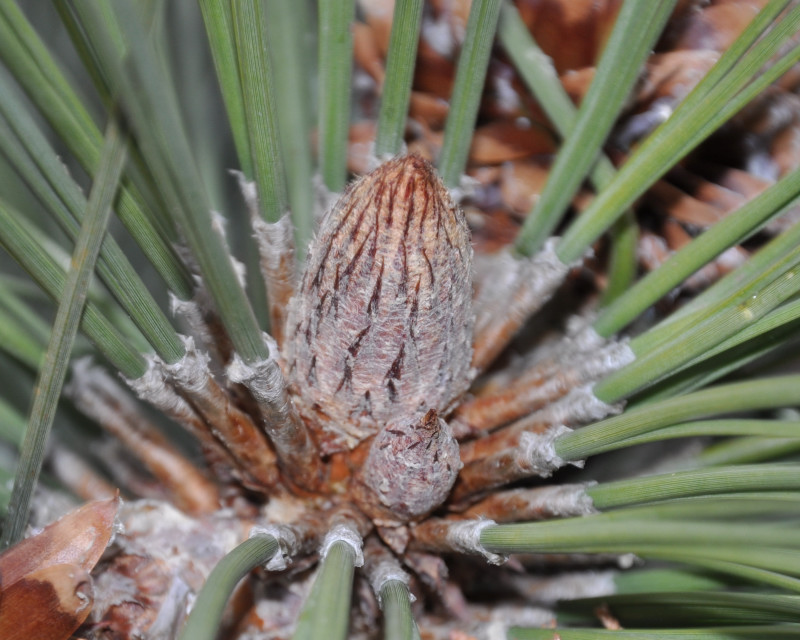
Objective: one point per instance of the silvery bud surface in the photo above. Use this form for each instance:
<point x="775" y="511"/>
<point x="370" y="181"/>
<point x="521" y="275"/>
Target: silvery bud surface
<point x="381" y="326"/>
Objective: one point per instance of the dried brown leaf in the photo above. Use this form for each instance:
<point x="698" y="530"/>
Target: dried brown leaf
<point x="521" y="182"/>
<point x="48" y="603"/>
<point x="366" y="52"/>
<point x="378" y="14"/>
<point x="505" y="140"/>
<point x="584" y="24"/>
<point x="79" y="538"/>
<point x="681" y="206"/>
<point x="716" y="26"/>
<point x="428" y="109"/>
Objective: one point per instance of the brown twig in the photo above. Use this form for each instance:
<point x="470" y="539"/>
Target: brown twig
<point x="296" y="451"/>
<point x="234" y="428"/>
<point x="277" y="260"/>
<point x="539" y="503"/>
<point x="518" y="287"/>
<point x="78" y="476"/>
<point x="442" y="535"/>
<point x="520" y="454"/>
<point x="580" y="360"/>
<point x="101" y="398"/>
<point x="156" y="388"/>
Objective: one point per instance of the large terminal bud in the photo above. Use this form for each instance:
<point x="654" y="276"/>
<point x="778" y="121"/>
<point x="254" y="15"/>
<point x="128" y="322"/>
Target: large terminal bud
<point x="380" y="329"/>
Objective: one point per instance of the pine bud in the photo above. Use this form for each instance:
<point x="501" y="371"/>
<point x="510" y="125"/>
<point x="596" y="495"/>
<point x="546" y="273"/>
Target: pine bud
<point x="381" y="326"/>
<point x="409" y="471"/>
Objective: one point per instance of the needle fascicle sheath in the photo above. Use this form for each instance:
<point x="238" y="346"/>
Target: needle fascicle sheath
<point x="519" y="286"/>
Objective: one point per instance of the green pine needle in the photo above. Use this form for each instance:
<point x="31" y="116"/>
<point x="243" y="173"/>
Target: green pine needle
<point x="327" y="610"/>
<point x="696" y="482"/>
<point x="335" y="69"/>
<point x="398" y="622"/>
<point x="467" y="90"/>
<point x="733" y="229"/>
<point x="542" y="80"/>
<point x="204" y="620"/>
<point x="41" y="266"/>
<point x="760" y="393"/>
<point x="636" y="30"/>
<point x="261" y="117"/>
<point x="744" y="632"/>
<point x="716" y="98"/>
<point x="65" y="327"/>
<point x="400" y="63"/>
<point x="292" y="96"/>
<point x="39" y="165"/>
<point x="27" y="57"/>
<point x="156" y="119"/>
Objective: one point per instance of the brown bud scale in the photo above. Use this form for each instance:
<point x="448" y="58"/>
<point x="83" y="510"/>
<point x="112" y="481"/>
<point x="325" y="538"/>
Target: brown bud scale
<point x="381" y="326"/>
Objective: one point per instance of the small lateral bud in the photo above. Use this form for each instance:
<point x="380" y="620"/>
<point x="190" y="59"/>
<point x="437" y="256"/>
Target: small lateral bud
<point x="409" y="471"/>
<point x="381" y="325"/>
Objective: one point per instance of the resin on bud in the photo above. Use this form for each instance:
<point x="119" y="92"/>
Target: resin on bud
<point x="380" y="329"/>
